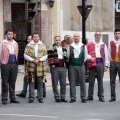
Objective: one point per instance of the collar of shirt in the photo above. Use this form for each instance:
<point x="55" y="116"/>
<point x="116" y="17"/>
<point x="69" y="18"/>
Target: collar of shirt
<point x="100" y="43"/>
<point x="13" y="41"/>
<point x="39" y="42"/>
<point x="77" y="46"/>
<point x="117" y="41"/>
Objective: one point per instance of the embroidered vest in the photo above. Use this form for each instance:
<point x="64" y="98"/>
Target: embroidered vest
<point x="76" y="61"/>
<point x="114" y="55"/>
<point x="53" y="57"/>
<point x="91" y="52"/>
<point x="5" y="52"/>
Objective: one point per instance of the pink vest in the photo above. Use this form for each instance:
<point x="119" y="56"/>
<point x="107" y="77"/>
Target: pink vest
<point x="5" y="52"/>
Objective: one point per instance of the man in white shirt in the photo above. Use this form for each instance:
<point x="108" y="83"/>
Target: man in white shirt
<point x="114" y="56"/>
<point x="57" y="59"/>
<point x="98" y="56"/>
<point x="77" y="54"/>
<point x="35" y="54"/>
<point x="9" y="67"/>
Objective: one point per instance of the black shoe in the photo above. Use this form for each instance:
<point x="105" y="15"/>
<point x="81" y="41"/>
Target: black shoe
<point x="36" y="96"/>
<point x="40" y="100"/>
<point x="72" y="100"/>
<point x="30" y="101"/>
<point x="63" y="100"/>
<point x="101" y="99"/>
<point x="89" y="98"/>
<point x="57" y="100"/>
<point x="112" y="100"/>
<point x="14" y="101"/>
<point x="44" y="95"/>
<point x="21" y="95"/>
<point x="4" y="102"/>
<point x="84" y="100"/>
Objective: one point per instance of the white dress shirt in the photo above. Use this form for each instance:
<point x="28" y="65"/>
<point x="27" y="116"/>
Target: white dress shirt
<point x="97" y="52"/>
<point x="60" y="52"/>
<point x="77" y="50"/>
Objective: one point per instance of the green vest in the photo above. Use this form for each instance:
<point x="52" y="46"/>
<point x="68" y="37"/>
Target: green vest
<point x="76" y="61"/>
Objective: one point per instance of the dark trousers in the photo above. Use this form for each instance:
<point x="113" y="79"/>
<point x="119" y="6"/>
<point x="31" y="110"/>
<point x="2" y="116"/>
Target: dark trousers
<point x="77" y="72"/>
<point x="25" y="86"/>
<point x="9" y="76"/>
<point x="99" y="70"/>
<point x="58" y="74"/>
<point x="39" y="89"/>
<point x="114" y="69"/>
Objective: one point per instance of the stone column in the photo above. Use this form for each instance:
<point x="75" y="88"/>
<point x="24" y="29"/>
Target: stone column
<point x="7" y="14"/>
<point x="44" y="24"/>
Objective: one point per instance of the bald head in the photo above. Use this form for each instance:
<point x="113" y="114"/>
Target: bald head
<point x="76" y="38"/>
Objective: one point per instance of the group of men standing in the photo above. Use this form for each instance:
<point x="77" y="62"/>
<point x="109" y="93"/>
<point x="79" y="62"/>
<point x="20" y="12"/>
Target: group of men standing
<point x="60" y="58"/>
<point x="99" y="58"/>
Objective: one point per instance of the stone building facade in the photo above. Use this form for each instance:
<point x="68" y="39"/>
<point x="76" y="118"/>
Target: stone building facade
<point x="63" y="16"/>
<point x="101" y="17"/>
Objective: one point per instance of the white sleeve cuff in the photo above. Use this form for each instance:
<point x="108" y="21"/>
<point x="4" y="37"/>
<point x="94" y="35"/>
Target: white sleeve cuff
<point x="28" y="58"/>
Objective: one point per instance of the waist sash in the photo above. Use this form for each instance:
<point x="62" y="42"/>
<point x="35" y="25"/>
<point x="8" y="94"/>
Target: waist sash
<point x="12" y="59"/>
<point x="99" y="60"/>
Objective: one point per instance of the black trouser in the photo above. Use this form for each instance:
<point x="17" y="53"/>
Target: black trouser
<point x="99" y="69"/>
<point x="58" y="74"/>
<point x="77" y="72"/>
<point x="114" y="69"/>
<point x="9" y="76"/>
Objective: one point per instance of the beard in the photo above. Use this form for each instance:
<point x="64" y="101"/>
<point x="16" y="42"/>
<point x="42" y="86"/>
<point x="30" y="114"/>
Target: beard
<point x="9" y="38"/>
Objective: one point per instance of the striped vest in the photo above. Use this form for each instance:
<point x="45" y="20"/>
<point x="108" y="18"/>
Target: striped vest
<point x="53" y="56"/>
<point x="31" y="67"/>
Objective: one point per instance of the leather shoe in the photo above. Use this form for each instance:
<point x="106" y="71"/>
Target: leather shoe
<point x="63" y="100"/>
<point x="4" y="102"/>
<point x="89" y="98"/>
<point x="101" y="99"/>
<point x="21" y="95"/>
<point x="72" y="100"/>
<point x="84" y="100"/>
<point x="14" y="101"/>
<point x="30" y="101"/>
<point x="112" y="100"/>
<point x="44" y="95"/>
<point x="57" y="100"/>
<point x="40" y="100"/>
